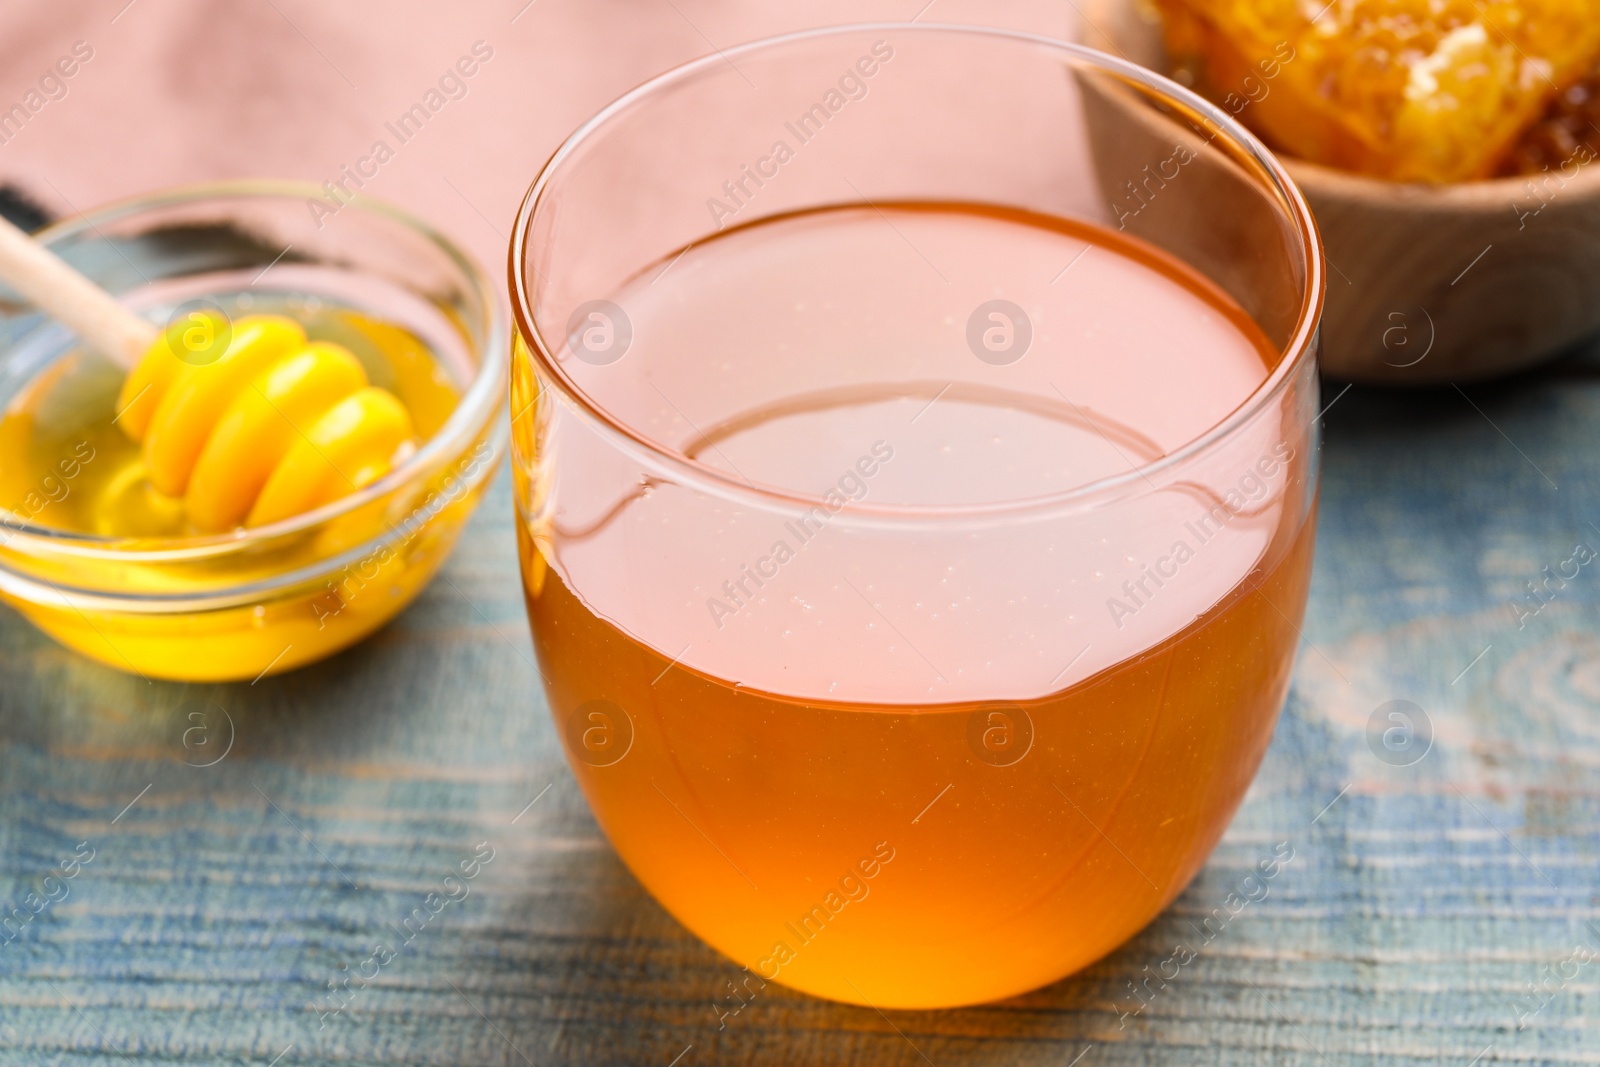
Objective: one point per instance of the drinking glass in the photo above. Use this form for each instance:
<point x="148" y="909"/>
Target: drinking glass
<point x="912" y="641"/>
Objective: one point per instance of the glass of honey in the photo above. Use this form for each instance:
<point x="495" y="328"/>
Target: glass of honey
<point x="99" y="559"/>
<point x="916" y="458"/>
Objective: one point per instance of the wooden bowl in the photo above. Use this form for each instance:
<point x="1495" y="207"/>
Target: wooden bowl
<point x="1430" y="284"/>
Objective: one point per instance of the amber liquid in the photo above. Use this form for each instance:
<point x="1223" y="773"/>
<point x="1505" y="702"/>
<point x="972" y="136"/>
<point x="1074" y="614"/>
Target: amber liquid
<point x="881" y="780"/>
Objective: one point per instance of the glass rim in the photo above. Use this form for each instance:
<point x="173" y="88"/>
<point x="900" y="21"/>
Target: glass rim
<point x="1299" y="347"/>
<point x="475" y="409"/>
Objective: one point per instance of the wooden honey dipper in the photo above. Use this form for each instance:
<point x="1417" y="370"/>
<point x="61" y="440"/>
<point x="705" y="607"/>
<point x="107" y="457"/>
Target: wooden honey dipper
<point x="248" y="421"/>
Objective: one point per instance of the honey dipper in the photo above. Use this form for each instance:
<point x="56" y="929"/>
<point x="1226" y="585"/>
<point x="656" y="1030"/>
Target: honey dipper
<point x="249" y="422"/>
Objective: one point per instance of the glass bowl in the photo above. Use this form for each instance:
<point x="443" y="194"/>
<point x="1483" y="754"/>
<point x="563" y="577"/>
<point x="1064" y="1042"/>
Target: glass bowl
<point x="259" y="600"/>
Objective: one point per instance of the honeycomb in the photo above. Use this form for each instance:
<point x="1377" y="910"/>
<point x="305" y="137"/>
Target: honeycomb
<point x="1408" y="90"/>
<point x="1569" y="133"/>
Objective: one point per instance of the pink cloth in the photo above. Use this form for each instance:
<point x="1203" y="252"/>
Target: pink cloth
<point x="181" y="91"/>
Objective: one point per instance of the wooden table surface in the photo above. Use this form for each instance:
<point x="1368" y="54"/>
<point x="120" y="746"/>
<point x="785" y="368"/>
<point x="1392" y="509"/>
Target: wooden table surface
<point x="220" y="900"/>
<point x="1420" y="903"/>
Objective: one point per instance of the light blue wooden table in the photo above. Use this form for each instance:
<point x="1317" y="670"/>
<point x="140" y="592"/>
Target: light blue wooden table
<point x="1421" y="903"/>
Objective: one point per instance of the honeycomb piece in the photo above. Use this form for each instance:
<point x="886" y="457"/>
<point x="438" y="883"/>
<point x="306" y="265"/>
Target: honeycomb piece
<point x="1566" y="137"/>
<point x="1408" y="90"/>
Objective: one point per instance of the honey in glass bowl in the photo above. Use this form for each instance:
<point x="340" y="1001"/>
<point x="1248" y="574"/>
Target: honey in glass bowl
<point x="96" y="556"/>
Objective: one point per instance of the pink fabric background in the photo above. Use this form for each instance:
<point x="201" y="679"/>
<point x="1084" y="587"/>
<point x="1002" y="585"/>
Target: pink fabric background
<point x="182" y="91"/>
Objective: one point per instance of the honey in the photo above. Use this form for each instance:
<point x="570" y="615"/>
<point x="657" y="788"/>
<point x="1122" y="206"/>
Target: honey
<point x="1566" y="138"/>
<point x="1408" y="90"/>
<point x="66" y="465"/>
<point x="72" y="411"/>
<point x="864" y="753"/>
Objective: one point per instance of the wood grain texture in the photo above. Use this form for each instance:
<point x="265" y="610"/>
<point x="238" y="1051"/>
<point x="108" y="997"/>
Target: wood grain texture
<point x="1430" y="285"/>
<point x="1421" y="901"/>
<point x="217" y="906"/>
